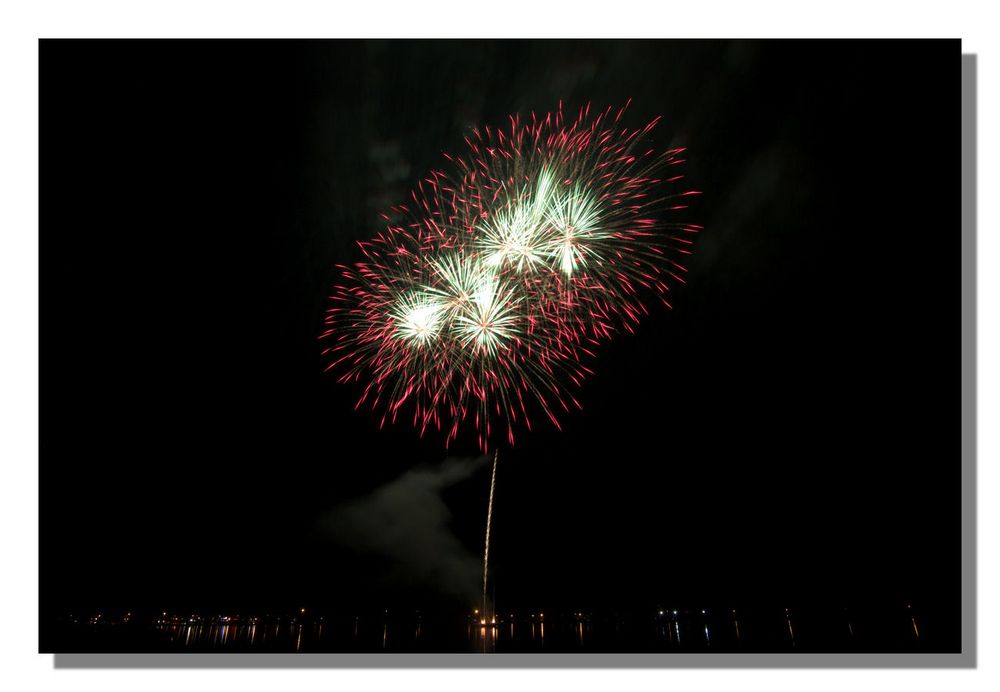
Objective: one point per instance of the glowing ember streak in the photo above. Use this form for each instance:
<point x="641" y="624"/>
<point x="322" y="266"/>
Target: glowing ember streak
<point x="489" y="520"/>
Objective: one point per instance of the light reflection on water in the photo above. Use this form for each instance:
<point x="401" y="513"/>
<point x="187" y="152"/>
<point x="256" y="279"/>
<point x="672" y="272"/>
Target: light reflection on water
<point x="664" y="630"/>
<point x="355" y="633"/>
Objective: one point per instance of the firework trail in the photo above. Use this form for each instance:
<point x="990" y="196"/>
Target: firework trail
<point x="482" y="300"/>
<point x="489" y="521"/>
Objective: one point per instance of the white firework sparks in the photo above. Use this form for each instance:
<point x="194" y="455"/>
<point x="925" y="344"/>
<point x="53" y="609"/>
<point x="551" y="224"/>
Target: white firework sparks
<point x="418" y="318"/>
<point x="489" y="320"/>
<point x="573" y="224"/>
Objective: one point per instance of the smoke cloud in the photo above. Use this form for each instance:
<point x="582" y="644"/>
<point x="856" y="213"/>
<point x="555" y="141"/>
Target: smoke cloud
<point x="407" y="524"/>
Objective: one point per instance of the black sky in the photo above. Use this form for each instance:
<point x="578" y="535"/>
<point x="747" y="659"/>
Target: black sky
<point x="789" y="431"/>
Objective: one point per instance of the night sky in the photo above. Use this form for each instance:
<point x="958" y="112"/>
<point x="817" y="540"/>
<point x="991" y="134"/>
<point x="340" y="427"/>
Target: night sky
<point x="788" y="433"/>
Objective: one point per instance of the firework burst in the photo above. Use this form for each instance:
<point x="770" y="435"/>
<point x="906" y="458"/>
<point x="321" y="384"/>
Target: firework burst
<point x="485" y="294"/>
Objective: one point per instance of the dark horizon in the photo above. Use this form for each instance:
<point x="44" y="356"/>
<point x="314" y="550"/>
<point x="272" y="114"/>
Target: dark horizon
<point x="789" y="433"/>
